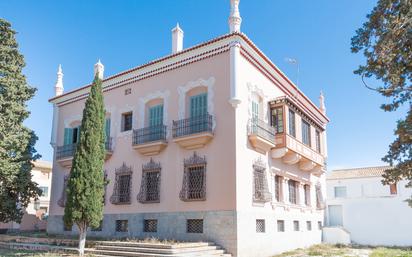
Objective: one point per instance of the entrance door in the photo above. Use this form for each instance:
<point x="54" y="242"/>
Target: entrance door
<point x="335" y="215"/>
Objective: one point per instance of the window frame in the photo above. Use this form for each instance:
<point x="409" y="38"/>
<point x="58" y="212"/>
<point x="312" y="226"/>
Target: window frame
<point x="296" y="225"/>
<point x="293" y="187"/>
<point x="126" y="121"/>
<point x="260" y="226"/>
<point x="281" y="226"/>
<point x="336" y="190"/>
<point x="318" y="141"/>
<point x="292" y="123"/>
<point x="277" y="119"/>
<point x="306" y="127"/>
<point x="309" y="225"/>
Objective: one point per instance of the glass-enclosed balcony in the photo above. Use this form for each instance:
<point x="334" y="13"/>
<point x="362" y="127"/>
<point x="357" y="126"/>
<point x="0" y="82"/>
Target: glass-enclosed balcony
<point x="193" y="132"/>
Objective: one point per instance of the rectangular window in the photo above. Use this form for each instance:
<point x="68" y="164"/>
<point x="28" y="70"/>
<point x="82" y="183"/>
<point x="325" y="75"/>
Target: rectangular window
<point x="296" y="225"/>
<point x="307" y="194"/>
<point x="320" y="225"/>
<point x="122" y="225"/>
<point x="198" y="105"/>
<point x="76" y="135"/>
<point x="292" y="191"/>
<point x="278" y="189"/>
<point x="255" y="110"/>
<point x="45" y="191"/>
<point x="127" y="121"/>
<point x="318" y="141"/>
<point x="277" y="119"/>
<point x="196" y="176"/>
<point x="152" y="186"/>
<point x="393" y="189"/>
<point x="156" y="115"/>
<point x="260" y="226"/>
<point x="309" y="225"/>
<point x="340" y="192"/>
<point x="194" y="226"/>
<point x="306" y="133"/>
<point x="292" y="123"/>
<point x="150" y="226"/>
<point x="124" y="188"/>
<point x="281" y="225"/>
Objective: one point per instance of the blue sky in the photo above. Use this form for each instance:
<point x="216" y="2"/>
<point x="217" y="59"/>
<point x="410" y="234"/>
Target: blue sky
<point x="125" y="34"/>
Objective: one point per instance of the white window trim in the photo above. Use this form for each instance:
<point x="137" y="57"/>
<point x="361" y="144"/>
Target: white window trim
<point x="254" y="90"/>
<point x="182" y="90"/>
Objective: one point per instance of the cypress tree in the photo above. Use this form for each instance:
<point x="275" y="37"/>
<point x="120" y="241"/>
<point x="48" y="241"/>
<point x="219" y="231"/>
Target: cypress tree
<point x="85" y="188"/>
<point x="16" y="141"/>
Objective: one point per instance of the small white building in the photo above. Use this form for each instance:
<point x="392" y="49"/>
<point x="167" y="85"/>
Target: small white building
<point x="361" y="210"/>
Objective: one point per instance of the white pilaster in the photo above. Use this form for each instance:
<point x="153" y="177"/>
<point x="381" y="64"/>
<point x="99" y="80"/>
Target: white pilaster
<point x="234" y="69"/>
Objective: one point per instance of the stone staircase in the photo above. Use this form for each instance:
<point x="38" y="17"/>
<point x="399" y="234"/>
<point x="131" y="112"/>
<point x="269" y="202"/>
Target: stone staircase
<point x="135" y="249"/>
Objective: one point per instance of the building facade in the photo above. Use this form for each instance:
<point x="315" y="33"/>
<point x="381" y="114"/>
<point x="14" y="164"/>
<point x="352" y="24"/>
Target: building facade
<point x="369" y="212"/>
<point x="212" y="142"/>
<point x="37" y="211"/>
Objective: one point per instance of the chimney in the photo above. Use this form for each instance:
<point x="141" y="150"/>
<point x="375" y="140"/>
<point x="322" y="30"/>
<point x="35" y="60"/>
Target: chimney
<point x="58" y="87"/>
<point x="234" y="19"/>
<point x="99" y="69"/>
<point x="177" y="39"/>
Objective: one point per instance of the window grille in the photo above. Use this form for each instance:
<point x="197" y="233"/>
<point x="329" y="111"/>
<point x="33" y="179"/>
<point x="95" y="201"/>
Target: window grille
<point x="292" y="123"/>
<point x="194" y="226"/>
<point x="307" y="194"/>
<point x="320" y="202"/>
<point x="277" y="119"/>
<point x="296" y="225"/>
<point x="122" y="225"/>
<point x="122" y="185"/>
<point x="320" y="225"/>
<point x="309" y="225"/>
<point x="281" y="225"/>
<point x="194" y="179"/>
<point x="150" y="185"/>
<point x="260" y="226"/>
<point x="260" y="185"/>
<point x="62" y="201"/>
<point x="278" y="189"/>
<point x="106" y="182"/>
<point x="292" y="191"/>
<point x="150" y="226"/>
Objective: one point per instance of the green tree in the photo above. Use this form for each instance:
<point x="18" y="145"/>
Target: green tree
<point x="386" y="41"/>
<point x="85" y="188"/>
<point x="16" y="141"/>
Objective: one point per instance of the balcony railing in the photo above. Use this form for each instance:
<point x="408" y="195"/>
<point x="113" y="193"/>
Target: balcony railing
<point x="149" y="134"/>
<point x="193" y="125"/>
<point x="67" y="151"/>
<point x="262" y="129"/>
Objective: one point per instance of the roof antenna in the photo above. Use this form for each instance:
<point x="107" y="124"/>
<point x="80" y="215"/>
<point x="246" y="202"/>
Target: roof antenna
<point x="294" y="61"/>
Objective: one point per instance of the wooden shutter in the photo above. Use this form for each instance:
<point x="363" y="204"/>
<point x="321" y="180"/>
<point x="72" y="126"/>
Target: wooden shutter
<point x="198" y="105"/>
<point x="68" y="136"/>
<point x="107" y="129"/>
<point x="156" y="115"/>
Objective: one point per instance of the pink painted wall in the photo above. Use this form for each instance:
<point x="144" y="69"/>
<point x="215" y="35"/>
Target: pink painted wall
<point x="220" y="152"/>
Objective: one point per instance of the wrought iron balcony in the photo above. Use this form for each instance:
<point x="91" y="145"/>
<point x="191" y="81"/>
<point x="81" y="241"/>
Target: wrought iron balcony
<point x="149" y="134"/>
<point x="193" y="125"/>
<point x="261" y="135"/>
<point x="194" y="132"/>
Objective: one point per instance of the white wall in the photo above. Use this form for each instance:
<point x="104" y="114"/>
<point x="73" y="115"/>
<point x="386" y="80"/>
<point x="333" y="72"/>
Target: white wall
<point x="371" y="214"/>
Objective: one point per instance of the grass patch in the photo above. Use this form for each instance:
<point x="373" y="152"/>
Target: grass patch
<point x="324" y="250"/>
<point x="390" y="252"/>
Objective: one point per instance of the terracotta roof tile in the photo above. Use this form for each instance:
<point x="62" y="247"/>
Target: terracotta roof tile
<point x="357" y="172"/>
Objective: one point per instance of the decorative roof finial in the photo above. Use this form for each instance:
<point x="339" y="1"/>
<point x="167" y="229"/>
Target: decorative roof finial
<point x="99" y="69"/>
<point x="322" y="103"/>
<point x="234" y="18"/>
<point x="58" y="87"/>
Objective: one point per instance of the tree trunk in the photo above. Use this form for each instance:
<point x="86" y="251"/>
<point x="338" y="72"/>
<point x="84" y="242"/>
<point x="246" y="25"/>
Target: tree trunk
<point x="82" y="239"/>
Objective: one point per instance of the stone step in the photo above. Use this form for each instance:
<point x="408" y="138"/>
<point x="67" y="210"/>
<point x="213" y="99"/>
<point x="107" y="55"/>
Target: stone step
<point x="155" y="250"/>
<point x="142" y="254"/>
<point x="153" y="245"/>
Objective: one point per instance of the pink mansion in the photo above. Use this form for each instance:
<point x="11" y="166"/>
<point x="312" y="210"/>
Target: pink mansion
<point x="211" y="142"/>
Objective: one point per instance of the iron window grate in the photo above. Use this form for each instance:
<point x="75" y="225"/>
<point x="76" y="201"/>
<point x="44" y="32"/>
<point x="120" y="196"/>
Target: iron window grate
<point x="150" y="185"/>
<point x="260" y="226"/>
<point x="122" y="225"/>
<point x="281" y="225"/>
<point x="194" y="179"/>
<point x="194" y="226"/>
<point x="296" y="225"/>
<point x="150" y="226"/>
<point x="260" y="184"/>
<point x="122" y="185"/>
<point x="309" y="225"/>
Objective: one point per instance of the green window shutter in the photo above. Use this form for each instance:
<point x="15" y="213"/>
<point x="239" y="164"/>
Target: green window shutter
<point x="156" y="115"/>
<point x="78" y="134"/>
<point x="255" y="110"/>
<point x="198" y="105"/>
<point x="107" y="128"/>
<point x="68" y="136"/>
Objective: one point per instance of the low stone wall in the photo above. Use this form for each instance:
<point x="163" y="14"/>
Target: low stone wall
<point x="218" y="227"/>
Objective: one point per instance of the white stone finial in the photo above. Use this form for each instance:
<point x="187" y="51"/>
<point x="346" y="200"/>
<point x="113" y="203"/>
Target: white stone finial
<point x="177" y="39"/>
<point x="322" y="103"/>
<point x="58" y="87"/>
<point x="99" y="69"/>
<point x="234" y="19"/>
